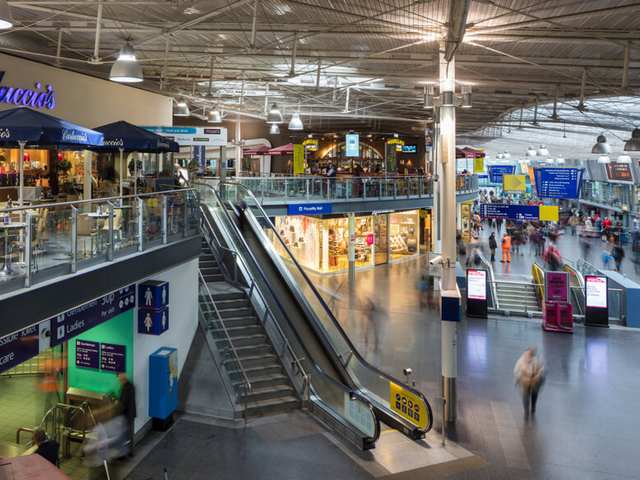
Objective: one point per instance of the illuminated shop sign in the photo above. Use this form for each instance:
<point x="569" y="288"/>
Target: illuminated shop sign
<point x="311" y="144"/>
<point x="37" y="97"/>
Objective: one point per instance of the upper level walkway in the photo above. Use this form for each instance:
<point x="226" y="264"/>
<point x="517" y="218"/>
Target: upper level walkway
<point x="350" y="194"/>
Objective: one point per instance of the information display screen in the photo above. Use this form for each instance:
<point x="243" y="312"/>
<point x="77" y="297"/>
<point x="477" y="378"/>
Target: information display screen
<point x="497" y="171"/>
<point x="619" y="172"/>
<point x="476" y="284"/>
<point x="596" y="291"/>
<point x="352" y="141"/>
<point x="558" y="182"/>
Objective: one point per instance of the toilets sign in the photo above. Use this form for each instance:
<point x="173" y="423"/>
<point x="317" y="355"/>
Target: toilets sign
<point x="153" y="311"/>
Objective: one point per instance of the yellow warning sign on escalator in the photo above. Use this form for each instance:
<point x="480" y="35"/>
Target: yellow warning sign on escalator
<point x="408" y="405"/>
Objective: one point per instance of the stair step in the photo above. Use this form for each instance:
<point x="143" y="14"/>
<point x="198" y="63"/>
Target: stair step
<point x="228" y="296"/>
<point x="235" y="303"/>
<point x="242" y="340"/>
<point x="256" y="373"/>
<point x="266" y="393"/>
<point x="235" y="312"/>
<point x="249" y="360"/>
<point x="231" y="322"/>
<point x="262" y="380"/>
<point x="211" y="278"/>
<point x="274" y="405"/>
<point x="218" y="330"/>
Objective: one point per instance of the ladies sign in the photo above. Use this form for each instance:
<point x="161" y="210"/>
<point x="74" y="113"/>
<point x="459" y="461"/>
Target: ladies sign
<point x="37" y="97"/>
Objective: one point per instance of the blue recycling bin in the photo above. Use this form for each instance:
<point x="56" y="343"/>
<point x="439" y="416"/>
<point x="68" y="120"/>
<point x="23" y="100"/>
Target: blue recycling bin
<point x="163" y="386"/>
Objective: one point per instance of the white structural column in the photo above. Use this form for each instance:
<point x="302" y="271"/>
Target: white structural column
<point x="450" y="296"/>
<point x="436" y="243"/>
<point x="238" y="147"/>
<point x="352" y="251"/>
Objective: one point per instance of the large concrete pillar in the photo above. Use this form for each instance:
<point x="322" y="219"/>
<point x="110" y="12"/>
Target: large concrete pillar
<point x="450" y="296"/>
<point x="352" y="251"/>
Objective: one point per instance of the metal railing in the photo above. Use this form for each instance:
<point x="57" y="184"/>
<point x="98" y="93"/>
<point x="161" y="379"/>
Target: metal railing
<point x="372" y="382"/>
<point x="317" y="387"/>
<point x="48" y="240"/>
<point x="344" y="188"/>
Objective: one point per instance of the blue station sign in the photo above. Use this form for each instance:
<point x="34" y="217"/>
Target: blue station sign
<point x="497" y="171"/>
<point x="518" y="213"/>
<point x="558" y="182"/>
<point x="309" y="208"/>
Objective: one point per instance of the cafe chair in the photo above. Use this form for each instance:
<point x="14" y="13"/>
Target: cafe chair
<point x="86" y="235"/>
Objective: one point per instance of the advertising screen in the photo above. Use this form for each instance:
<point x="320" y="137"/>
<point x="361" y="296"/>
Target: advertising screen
<point x="596" y="291"/>
<point x="352" y="141"/>
<point x="619" y="172"/>
<point x="476" y="284"/>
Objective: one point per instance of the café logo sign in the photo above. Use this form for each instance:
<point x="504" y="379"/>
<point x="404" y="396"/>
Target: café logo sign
<point x="39" y="96"/>
<point x="74" y="136"/>
<point x="114" y="142"/>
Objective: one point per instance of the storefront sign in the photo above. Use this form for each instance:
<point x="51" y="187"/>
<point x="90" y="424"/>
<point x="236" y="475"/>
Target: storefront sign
<point x="497" y="171"/>
<point x="87" y="354"/>
<point x="408" y="405"/>
<point x="19" y="347"/>
<point x="397" y="143"/>
<point x="596" y="291"/>
<point x="558" y="182"/>
<point x="188" y="136"/>
<point x="619" y="172"/>
<point x="352" y="141"/>
<point x="37" y="97"/>
<point x="311" y="144"/>
<point x="360" y="415"/>
<point x="309" y="208"/>
<point x="476" y="284"/>
<point x="112" y="357"/>
<point x="409" y="148"/>
<point x="556" y="287"/>
<point x="80" y="319"/>
<point x="298" y="159"/>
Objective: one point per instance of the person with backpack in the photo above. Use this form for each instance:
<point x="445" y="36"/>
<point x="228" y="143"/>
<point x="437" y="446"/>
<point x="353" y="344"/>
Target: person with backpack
<point x="492" y="246"/>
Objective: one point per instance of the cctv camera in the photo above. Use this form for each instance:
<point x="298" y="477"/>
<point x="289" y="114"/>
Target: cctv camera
<point x="435" y="178"/>
<point x="407" y="371"/>
<point x="437" y="260"/>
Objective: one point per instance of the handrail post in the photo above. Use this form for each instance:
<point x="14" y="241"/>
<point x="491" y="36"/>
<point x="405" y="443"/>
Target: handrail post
<point x="306" y="186"/>
<point x="140" y="224"/>
<point x="111" y="234"/>
<point x="186" y="216"/>
<point x="27" y="250"/>
<point x="286" y="188"/>
<point x="165" y="220"/>
<point x="74" y="239"/>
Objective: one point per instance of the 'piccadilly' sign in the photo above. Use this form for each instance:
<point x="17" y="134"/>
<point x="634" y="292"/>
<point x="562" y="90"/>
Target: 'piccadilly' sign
<point x="37" y="97"/>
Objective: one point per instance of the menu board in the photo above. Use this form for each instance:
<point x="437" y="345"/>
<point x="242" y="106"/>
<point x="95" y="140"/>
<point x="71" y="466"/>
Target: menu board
<point x="497" y="171"/>
<point x="596" y="291"/>
<point x="476" y="284"/>
<point x="87" y="354"/>
<point x="112" y="357"/>
<point x="558" y="182"/>
<point x="619" y="172"/>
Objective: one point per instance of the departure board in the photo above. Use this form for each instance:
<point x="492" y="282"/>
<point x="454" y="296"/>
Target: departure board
<point x="558" y="182"/>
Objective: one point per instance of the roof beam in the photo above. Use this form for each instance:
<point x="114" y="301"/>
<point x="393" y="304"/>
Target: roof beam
<point x="457" y="22"/>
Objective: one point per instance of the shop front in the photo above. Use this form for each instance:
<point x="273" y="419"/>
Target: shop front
<point x="321" y="243"/>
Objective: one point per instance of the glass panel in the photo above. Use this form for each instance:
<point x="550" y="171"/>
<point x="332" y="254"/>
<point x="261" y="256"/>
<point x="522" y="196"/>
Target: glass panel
<point x="381" y="235"/>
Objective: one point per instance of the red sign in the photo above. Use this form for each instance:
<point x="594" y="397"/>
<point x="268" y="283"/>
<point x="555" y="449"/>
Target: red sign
<point x="370" y="238"/>
<point x="557" y="287"/>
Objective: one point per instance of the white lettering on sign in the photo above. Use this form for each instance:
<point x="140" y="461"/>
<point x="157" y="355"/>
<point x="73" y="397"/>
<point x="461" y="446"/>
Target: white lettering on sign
<point x="7" y="358"/>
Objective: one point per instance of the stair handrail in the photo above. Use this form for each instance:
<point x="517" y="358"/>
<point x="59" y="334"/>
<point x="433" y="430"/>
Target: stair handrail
<point x="307" y="384"/>
<point x="353" y="353"/>
<point x="247" y="383"/>
<point x="492" y="280"/>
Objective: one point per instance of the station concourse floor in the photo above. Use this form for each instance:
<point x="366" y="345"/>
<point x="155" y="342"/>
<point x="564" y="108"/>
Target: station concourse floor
<point x="587" y="425"/>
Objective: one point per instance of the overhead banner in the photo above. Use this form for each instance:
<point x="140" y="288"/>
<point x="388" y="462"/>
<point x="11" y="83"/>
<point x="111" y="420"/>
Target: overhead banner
<point x="298" y="159"/>
<point x="497" y="171"/>
<point x="554" y="182"/>
<point x="519" y="213"/>
<point x="478" y="165"/>
<point x="352" y="141"/>
<point x="188" y="136"/>
<point x="514" y="183"/>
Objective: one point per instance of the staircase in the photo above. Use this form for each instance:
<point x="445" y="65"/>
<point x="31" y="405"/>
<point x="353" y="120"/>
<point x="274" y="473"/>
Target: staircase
<point x="517" y="298"/>
<point x="238" y="328"/>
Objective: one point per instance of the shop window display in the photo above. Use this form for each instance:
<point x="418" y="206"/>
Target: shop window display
<point x="403" y="233"/>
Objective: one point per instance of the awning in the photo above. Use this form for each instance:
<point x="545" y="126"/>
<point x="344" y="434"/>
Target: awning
<point x="131" y="138"/>
<point x="282" y="150"/>
<point x="259" y="150"/>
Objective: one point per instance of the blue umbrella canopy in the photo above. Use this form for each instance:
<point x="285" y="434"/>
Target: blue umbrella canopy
<point x="35" y="128"/>
<point x="131" y="138"/>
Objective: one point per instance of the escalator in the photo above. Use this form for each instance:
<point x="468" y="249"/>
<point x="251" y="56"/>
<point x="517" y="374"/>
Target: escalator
<point x="305" y="318"/>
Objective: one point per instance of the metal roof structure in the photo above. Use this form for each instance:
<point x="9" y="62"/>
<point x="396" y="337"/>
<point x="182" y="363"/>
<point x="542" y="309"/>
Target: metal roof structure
<point x="358" y="63"/>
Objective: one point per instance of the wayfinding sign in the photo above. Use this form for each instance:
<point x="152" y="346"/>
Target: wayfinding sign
<point x="497" y="171"/>
<point x="558" y="182"/>
<point x="519" y="213"/>
<point x="408" y="405"/>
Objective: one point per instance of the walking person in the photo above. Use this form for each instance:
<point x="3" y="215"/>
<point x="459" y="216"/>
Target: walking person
<point x="128" y="406"/>
<point x="529" y="376"/>
<point x="506" y="248"/>
<point x="617" y="252"/>
<point x="492" y="246"/>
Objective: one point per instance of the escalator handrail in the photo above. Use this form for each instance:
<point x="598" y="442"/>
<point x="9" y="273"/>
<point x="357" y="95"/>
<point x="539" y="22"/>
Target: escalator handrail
<point x="327" y="310"/>
<point x="319" y="371"/>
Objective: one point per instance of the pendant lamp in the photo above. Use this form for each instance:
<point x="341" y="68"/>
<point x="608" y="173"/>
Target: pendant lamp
<point x="6" y="22"/>
<point x="296" y="122"/>
<point x="181" y="109"/>
<point x="543" y="151"/>
<point x="214" y="116"/>
<point x="623" y="159"/>
<point x="275" y="129"/>
<point x="633" y="144"/>
<point x="531" y="152"/>
<point x="126" y="68"/>
<point x="274" y="115"/>
<point x="601" y="147"/>
<point x="604" y="159"/>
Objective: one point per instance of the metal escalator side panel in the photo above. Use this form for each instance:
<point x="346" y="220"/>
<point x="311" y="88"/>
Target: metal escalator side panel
<point x="381" y="381"/>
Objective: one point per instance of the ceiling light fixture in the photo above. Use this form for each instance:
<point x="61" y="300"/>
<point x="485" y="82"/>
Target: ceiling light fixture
<point x="126" y="68"/>
<point x="560" y="160"/>
<point x="623" y="159"/>
<point x="181" y="109"/>
<point x="531" y="152"/>
<point x="296" y="122"/>
<point x="274" y="115"/>
<point x="6" y="22"/>
<point x="275" y="129"/>
<point x="633" y="144"/>
<point x="506" y="154"/>
<point x="604" y="159"/>
<point x="601" y="147"/>
<point x="543" y="151"/>
<point x="214" y="116"/>
<point x="466" y="96"/>
<point x="428" y="97"/>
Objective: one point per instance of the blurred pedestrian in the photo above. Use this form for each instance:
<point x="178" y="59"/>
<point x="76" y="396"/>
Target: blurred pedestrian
<point x="370" y="326"/>
<point x="492" y="246"/>
<point x="585" y="247"/>
<point x="127" y="402"/>
<point x="617" y="252"/>
<point x="506" y="248"/>
<point x="529" y="376"/>
<point x="606" y="257"/>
